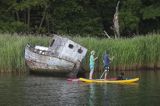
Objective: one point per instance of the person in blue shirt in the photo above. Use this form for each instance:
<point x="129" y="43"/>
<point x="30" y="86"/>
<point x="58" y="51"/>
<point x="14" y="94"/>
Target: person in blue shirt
<point x="106" y="62"/>
<point x="92" y="63"/>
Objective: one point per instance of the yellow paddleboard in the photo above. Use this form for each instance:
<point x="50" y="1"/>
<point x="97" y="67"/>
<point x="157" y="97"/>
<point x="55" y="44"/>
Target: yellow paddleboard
<point x="109" y="81"/>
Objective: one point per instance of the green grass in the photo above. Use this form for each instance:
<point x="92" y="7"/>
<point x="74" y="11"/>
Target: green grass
<point x="130" y="53"/>
<point x="12" y="51"/>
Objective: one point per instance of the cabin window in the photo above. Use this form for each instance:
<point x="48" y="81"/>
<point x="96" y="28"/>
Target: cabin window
<point x="80" y="50"/>
<point x="70" y="46"/>
<point x="52" y="42"/>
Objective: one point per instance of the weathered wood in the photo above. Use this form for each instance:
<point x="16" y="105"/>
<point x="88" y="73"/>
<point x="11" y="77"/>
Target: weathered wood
<point x="116" y="22"/>
<point x="106" y="34"/>
<point x="63" y="56"/>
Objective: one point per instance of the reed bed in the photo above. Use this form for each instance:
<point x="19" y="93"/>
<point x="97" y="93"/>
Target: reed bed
<point x="129" y="53"/>
<point x="12" y="51"/>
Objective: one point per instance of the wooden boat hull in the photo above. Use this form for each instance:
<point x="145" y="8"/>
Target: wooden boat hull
<point x="108" y="81"/>
<point x="61" y="56"/>
<point x="45" y="63"/>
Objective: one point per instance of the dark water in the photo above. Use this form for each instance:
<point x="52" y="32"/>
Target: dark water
<point x="29" y="90"/>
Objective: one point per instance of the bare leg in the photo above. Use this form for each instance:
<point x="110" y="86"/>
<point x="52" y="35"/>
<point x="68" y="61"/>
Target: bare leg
<point x="105" y="75"/>
<point x="91" y="74"/>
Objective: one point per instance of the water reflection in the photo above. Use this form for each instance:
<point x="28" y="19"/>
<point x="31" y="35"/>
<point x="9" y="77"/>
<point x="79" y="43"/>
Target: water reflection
<point x="26" y="90"/>
<point x="98" y="94"/>
<point x="91" y="94"/>
<point x="109" y="94"/>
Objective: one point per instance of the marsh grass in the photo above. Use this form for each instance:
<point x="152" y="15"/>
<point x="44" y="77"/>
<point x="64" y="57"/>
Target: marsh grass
<point x="133" y="53"/>
<point x="12" y="51"/>
<point x="129" y="53"/>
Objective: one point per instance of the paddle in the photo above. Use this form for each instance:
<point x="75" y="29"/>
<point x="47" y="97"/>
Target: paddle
<point x="105" y="71"/>
<point x="102" y="74"/>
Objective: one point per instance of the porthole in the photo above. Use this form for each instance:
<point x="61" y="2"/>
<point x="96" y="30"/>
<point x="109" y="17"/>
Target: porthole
<point x="70" y="46"/>
<point x="80" y="50"/>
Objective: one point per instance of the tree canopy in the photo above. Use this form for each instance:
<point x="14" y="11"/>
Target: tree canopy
<point x="83" y="17"/>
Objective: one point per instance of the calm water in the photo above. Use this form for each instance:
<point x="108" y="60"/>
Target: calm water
<point x="29" y="90"/>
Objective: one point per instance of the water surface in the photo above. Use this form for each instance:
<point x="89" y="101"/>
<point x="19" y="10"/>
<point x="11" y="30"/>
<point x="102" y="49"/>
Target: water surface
<point x="29" y="90"/>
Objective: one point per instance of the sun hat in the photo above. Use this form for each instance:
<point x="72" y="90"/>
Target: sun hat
<point x="92" y="52"/>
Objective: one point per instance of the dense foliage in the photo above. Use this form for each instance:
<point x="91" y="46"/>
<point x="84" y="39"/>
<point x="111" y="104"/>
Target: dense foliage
<point x="84" y="17"/>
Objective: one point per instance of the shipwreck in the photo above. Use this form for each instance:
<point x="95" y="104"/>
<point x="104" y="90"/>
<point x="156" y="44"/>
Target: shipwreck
<point x="62" y="57"/>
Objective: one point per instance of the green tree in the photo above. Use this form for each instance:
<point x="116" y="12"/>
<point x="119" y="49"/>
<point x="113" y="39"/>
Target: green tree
<point x="84" y="17"/>
<point x="150" y="16"/>
<point x="130" y="16"/>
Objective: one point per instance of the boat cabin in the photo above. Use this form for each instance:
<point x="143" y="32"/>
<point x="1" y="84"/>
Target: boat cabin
<point x="67" y="49"/>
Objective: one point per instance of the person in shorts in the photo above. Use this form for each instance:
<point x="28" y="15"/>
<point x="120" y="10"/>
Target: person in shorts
<point x="92" y="63"/>
<point x="106" y="62"/>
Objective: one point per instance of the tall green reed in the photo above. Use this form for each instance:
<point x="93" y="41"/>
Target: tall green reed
<point x="129" y="53"/>
<point x="12" y="51"/>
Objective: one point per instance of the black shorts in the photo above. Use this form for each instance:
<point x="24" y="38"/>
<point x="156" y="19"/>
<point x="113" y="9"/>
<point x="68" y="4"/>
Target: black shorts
<point x="106" y="68"/>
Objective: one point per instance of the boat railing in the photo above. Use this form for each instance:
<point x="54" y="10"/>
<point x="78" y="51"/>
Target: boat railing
<point x="40" y="52"/>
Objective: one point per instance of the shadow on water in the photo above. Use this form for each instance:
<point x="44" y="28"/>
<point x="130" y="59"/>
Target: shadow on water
<point x="47" y="74"/>
<point x="81" y="73"/>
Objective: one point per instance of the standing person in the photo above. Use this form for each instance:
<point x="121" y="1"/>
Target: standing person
<point x="92" y="63"/>
<point x="106" y="62"/>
